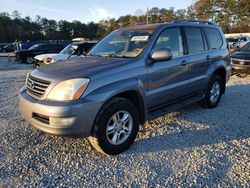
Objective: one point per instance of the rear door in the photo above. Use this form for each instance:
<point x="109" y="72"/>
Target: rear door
<point x="199" y="59"/>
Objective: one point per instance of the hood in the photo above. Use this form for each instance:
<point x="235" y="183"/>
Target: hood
<point x="79" y="67"/>
<point x="241" y="55"/>
<point x="44" y="56"/>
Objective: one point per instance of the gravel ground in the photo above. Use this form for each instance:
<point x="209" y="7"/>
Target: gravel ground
<point x="191" y="147"/>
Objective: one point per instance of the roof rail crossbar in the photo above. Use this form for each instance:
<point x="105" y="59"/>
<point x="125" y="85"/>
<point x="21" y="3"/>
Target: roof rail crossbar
<point x="194" y="21"/>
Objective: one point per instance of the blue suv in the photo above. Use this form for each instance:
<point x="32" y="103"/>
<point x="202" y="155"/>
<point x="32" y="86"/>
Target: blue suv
<point x="132" y="75"/>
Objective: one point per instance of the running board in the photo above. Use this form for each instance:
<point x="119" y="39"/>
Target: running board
<point x="175" y="106"/>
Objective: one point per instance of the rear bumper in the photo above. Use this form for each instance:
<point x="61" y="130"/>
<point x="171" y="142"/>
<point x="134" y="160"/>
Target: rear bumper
<point x="84" y="113"/>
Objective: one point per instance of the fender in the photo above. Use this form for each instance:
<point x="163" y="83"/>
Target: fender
<point x="215" y="66"/>
<point x="106" y="92"/>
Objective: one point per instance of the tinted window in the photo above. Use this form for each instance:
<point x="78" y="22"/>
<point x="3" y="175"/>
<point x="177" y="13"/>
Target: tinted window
<point x="86" y="46"/>
<point x="170" y="38"/>
<point x="56" y="46"/>
<point x="244" y="39"/>
<point x="34" y="47"/>
<point x="194" y="40"/>
<point x="45" y="47"/>
<point x="214" y="38"/>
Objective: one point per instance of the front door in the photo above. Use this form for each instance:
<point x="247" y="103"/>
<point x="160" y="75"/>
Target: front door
<point x="166" y="79"/>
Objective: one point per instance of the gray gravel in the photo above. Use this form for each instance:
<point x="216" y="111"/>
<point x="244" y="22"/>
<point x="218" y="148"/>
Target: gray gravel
<point x="189" y="147"/>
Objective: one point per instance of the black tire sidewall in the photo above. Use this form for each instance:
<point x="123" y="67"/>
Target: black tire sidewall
<point x="108" y="112"/>
<point x="214" y="79"/>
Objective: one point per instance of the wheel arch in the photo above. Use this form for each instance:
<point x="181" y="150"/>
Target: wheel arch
<point x="136" y="98"/>
<point x="221" y="71"/>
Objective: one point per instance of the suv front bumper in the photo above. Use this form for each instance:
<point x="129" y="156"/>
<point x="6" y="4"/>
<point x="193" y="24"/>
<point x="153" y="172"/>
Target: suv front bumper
<point x="241" y="68"/>
<point x="40" y="112"/>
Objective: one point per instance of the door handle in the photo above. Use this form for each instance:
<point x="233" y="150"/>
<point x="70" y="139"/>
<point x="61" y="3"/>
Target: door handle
<point x="208" y="58"/>
<point x="184" y="63"/>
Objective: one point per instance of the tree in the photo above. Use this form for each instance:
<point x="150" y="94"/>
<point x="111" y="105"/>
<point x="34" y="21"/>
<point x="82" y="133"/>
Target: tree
<point x="230" y="15"/>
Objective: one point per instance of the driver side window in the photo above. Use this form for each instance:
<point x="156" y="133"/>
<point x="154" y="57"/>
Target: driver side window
<point x="170" y="38"/>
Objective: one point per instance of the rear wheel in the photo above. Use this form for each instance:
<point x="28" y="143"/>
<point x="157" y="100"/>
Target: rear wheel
<point x="116" y="127"/>
<point x="214" y="93"/>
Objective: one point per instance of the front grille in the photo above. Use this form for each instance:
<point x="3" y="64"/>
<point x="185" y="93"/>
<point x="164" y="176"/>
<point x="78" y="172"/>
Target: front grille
<point x="240" y="62"/>
<point x="37" y="87"/>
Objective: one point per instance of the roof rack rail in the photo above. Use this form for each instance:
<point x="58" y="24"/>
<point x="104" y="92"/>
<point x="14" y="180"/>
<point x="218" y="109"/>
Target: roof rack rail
<point x="194" y="21"/>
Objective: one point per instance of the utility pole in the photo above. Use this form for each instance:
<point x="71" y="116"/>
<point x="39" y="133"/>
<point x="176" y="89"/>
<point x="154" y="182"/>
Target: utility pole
<point x="147" y="15"/>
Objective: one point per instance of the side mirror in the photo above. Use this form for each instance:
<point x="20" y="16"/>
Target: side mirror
<point x="162" y="54"/>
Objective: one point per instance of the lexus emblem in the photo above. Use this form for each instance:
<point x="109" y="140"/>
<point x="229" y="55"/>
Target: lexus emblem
<point x="32" y="84"/>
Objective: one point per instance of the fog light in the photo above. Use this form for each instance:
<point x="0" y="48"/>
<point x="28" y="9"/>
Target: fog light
<point x="61" y="122"/>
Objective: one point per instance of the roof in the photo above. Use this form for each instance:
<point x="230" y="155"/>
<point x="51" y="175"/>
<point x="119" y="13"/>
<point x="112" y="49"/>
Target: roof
<point x="143" y="27"/>
<point x="174" y="22"/>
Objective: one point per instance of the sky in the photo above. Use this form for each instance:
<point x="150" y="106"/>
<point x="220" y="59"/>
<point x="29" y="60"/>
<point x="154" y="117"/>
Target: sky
<point x="85" y="10"/>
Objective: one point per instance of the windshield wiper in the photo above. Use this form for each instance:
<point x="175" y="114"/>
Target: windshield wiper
<point x="115" y="56"/>
<point x="110" y="55"/>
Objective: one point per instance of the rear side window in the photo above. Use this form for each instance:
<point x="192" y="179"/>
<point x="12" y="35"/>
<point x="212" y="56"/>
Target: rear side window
<point x="44" y="47"/>
<point x="213" y="38"/>
<point x="194" y="40"/>
<point x="244" y="39"/>
<point x="170" y="38"/>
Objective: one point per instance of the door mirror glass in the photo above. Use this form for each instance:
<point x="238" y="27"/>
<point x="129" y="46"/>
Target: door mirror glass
<point x="162" y="54"/>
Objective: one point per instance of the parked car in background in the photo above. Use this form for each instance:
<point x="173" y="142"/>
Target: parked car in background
<point x="3" y="45"/>
<point x="241" y="60"/>
<point x="72" y="50"/>
<point x="8" y="48"/>
<point x="26" y="45"/>
<point x="27" y="55"/>
<point x="132" y="75"/>
<point x="235" y="43"/>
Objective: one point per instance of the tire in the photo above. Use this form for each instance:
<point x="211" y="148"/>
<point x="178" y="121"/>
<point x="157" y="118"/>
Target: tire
<point x="29" y="60"/>
<point x="106" y="128"/>
<point x="213" y="96"/>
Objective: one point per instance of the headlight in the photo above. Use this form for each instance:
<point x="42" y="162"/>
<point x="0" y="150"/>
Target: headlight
<point x="27" y="78"/>
<point x="68" y="89"/>
<point x="48" y="60"/>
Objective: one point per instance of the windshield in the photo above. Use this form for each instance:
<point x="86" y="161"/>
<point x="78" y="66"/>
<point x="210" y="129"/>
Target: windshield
<point x="69" y="50"/>
<point x="232" y="40"/>
<point x="123" y="44"/>
<point x="33" y="47"/>
<point x="246" y="48"/>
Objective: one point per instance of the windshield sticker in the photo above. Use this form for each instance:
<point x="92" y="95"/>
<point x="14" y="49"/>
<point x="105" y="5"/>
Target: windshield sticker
<point x="139" y="38"/>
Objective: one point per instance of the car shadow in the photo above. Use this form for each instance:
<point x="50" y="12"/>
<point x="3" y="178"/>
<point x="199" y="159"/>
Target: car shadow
<point x="229" y="121"/>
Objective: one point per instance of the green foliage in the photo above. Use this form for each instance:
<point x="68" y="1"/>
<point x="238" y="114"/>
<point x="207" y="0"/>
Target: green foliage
<point x="231" y="15"/>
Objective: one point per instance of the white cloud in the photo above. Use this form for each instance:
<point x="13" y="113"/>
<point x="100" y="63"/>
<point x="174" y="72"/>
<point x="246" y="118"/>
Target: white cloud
<point x="100" y="13"/>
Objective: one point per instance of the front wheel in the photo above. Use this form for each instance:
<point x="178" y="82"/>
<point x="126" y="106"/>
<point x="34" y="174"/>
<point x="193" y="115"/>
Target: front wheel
<point x="214" y="93"/>
<point x="29" y="60"/>
<point x="116" y="127"/>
